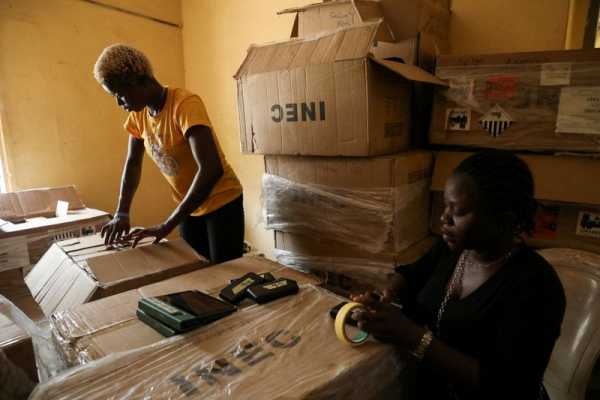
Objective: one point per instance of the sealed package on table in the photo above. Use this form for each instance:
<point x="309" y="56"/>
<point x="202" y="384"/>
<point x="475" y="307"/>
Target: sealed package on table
<point x="47" y="357"/>
<point x="90" y="331"/>
<point x="286" y="349"/>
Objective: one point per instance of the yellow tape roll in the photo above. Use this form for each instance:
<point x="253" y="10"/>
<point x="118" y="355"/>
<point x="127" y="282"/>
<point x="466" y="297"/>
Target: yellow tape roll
<point x="340" y="325"/>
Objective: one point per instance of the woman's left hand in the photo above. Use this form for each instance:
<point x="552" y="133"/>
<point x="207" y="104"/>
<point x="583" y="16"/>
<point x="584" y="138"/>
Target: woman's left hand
<point x="387" y="322"/>
<point x="158" y="232"/>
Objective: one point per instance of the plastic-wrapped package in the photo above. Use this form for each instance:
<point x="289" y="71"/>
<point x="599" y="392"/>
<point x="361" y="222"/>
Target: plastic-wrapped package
<point x="286" y="349"/>
<point x="48" y="360"/>
<point x="372" y="271"/>
<point x="369" y="271"/>
<point x="14" y="383"/>
<point x="94" y="330"/>
<point x="366" y="218"/>
<point x="533" y="101"/>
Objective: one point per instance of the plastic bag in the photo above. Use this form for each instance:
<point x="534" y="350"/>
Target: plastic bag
<point x="47" y="358"/>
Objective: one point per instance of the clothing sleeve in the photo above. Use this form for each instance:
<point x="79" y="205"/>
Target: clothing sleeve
<point x="418" y="273"/>
<point x="191" y="112"/>
<point x="513" y="365"/>
<point x="131" y="125"/>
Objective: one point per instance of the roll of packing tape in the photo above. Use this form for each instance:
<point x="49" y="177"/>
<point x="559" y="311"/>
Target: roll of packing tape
<point x="340" y="325"/>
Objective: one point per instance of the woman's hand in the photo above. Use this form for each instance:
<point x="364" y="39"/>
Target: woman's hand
<point x="115" y="229"/>
<point x="158" y="232"/>
<point x="387" y="322"/>
<point x="394" y="289"/>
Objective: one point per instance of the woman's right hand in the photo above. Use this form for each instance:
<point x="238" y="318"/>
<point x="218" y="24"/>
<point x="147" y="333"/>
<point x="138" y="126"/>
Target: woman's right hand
<point x="115" y="229"/>
<point x="394" y="288"/>
<point x="386" y="295"/>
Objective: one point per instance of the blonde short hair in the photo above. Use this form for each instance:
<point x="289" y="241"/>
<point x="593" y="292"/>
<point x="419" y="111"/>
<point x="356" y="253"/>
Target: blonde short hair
<point x="122" y="64"/>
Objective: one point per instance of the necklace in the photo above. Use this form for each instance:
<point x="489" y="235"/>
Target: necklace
<point x="454" y="287"/>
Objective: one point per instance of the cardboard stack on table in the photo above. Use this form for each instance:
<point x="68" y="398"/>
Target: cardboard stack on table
<point x="82" y="269"/>
<point x="286" y="349"/>
<point x="335" y="110"/>
<point x="30" y="221"/>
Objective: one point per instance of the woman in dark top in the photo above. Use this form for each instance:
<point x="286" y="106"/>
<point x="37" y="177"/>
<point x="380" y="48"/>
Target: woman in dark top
<point x="481" y="311"/>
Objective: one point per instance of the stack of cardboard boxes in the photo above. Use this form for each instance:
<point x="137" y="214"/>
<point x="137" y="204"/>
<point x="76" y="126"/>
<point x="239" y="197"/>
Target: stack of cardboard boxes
<point x="30" y="221"/>
<point x="334" y="110"/>
<point x="543" y="102"/>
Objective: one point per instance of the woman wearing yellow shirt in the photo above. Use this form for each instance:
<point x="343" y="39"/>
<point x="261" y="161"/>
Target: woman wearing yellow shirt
<point x="173" y="127"/>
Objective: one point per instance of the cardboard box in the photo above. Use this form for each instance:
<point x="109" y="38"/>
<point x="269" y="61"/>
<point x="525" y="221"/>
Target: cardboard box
<point x="325" y="256"/>
<point x="73" y="272"/>
<point x="16" y="343"/>
<point x="542" y="101"/>
<point x="286" y="349"/>
<point x="23" y="244"/>
<point x="90" y="331"/>
<point x="326" y="95"/>
<point x="429" y="19"/>
<point x="41" y="202"/>
<point x="317" y="18"/>
<point x="425" y="22"/>
<point x="569" y="214"/>
<point x="379" y="205"/>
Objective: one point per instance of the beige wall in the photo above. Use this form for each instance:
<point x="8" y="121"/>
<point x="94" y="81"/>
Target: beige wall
<point x="492" y="26"/>
<point x="216" y="35"/>
<point x="59" y="126"/>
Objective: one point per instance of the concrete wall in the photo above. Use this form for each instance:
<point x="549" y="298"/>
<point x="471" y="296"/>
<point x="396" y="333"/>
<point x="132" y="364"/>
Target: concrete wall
<point x="59" y="126"/>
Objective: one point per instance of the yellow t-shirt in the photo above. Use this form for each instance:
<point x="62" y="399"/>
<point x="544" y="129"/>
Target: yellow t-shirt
<point x="165" y="142"/>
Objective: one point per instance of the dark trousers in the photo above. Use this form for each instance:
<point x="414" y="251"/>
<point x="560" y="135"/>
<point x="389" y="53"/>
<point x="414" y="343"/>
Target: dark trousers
<point x="218" y="236"/>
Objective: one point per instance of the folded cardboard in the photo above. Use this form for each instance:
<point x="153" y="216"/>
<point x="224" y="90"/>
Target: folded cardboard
<point x="16" y="343"/>
<point x="421" y="22"/>
<point x="379" y="205"/>
<point x="326" y="95"/>
<point x="542" y="101"/>
<point x="23" y="244"/>
<point x="325" y="256"/>
<point x="317" y="18"/>
<point x="37" y="202"/>
<point x="569" y="212"/>
<point x="286" y="349"/>
<point x="429" y="19"/>
<point x="99" y="328"/>
<point x="76" y="271"/>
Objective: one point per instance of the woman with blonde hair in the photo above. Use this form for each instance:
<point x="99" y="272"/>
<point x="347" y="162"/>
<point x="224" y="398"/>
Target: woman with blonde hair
<point x="173" y="127"/>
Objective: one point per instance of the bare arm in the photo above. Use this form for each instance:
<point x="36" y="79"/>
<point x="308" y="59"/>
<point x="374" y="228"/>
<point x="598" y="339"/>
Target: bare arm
<point x="210" y="170"/>
<point x="132" y="171"/>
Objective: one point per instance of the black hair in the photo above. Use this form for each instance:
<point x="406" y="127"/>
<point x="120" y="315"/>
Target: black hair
<point x="503" y="183"/>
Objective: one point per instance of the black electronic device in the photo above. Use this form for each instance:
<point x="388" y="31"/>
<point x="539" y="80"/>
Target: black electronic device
<point x="236" y="291"/>
<point x="185" y="310"/>
<point x="265" y="292"/>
